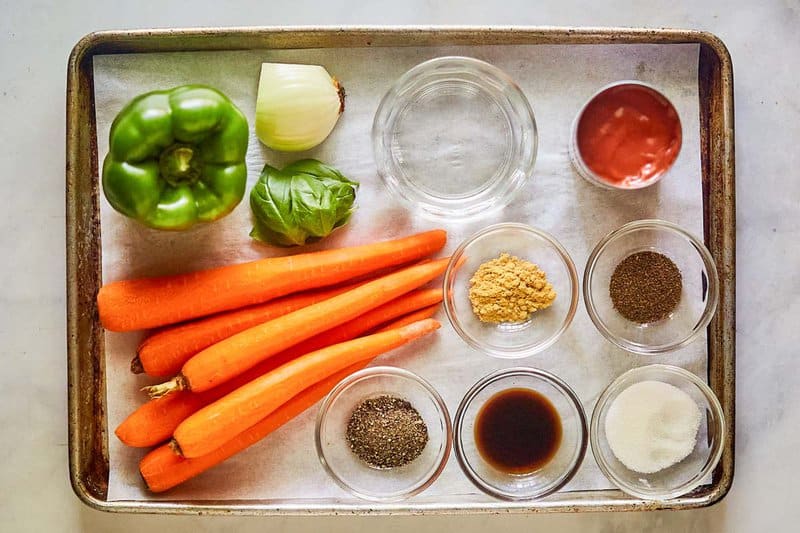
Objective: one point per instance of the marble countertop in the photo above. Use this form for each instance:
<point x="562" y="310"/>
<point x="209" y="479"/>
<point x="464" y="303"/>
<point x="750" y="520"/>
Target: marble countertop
<point x="35" y="40"/>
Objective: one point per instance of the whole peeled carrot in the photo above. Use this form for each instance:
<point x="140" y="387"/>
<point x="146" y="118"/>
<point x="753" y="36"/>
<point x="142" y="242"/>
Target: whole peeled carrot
<point x="212" y="426"/>
<point x="233" y="356"/>
<point x="162" y="469"/>
<point x="155" y="421"/>
<point x="163" y="353"/>
<point x="410" y="318"/>
<point x="152" y="302"/>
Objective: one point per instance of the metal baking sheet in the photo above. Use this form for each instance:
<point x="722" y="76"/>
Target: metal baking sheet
<point x="88" y="436"/>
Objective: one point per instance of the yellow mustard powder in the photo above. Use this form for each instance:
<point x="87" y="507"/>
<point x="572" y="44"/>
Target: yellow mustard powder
<point x="509" y="289"/>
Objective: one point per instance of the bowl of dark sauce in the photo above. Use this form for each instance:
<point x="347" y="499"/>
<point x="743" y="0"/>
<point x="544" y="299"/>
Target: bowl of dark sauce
<point x="518" y="431"/>
<point x="520" y="434"/>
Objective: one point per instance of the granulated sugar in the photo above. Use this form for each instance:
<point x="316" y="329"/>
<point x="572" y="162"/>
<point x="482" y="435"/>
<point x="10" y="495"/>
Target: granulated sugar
<point x="652" y="425"/>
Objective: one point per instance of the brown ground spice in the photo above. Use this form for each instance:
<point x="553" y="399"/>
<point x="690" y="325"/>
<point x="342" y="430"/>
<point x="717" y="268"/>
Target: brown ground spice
<point x="646" y="287"/>
<point x="509" y="289"/>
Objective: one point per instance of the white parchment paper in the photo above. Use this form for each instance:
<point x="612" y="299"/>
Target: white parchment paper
<point x="556" y="79"/>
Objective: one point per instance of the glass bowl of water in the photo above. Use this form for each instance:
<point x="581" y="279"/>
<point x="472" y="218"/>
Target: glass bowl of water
<point x="455" y="137"/>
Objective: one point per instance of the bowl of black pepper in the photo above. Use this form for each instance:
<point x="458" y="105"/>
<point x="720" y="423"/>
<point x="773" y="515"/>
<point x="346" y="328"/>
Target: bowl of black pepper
<point x="383" y="434"/>
<point x="650" y="287"/>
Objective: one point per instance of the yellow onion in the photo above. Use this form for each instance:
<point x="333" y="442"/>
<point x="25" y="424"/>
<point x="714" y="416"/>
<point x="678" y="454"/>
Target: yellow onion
<point x="297" y="106"/>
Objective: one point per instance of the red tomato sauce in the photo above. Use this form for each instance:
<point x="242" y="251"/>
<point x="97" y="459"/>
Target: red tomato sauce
<point x="628" y="135"/>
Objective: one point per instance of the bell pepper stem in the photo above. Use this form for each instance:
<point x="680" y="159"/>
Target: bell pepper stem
<point x="179" y="164"/>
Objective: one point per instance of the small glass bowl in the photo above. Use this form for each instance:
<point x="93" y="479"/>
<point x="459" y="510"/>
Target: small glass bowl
<point x="698" y="298"/>
<point x="454" y="137"/>
<point x="553" y="475"/>
<point x="682" y="477"/>
<point x="544" y="327"/>
<point x="355" y="476"/>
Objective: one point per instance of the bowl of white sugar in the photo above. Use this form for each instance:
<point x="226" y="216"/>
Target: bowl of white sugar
<point x="657" y="432"/>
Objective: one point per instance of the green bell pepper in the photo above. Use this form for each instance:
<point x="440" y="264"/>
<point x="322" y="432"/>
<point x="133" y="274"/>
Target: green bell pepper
<point x="177" y="157"/>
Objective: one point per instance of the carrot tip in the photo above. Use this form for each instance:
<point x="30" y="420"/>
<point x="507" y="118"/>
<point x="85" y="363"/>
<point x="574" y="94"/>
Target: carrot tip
<point x="162" y="389"/>
<point x="136" y="365"/>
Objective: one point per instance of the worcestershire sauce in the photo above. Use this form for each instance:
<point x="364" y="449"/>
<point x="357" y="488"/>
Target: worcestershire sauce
<point x="518" y="431"/>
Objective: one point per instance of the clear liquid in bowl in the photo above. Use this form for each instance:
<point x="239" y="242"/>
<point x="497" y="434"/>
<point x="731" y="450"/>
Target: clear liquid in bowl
<point x="452" y="140"/>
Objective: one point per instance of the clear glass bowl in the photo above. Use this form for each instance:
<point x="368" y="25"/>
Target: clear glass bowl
<point x="544" y="327"/>
<point x="682" y="477"/>
<point x="553" y="475"/>
<point x="454" y="137"/>
<point x="347" y="469"/>
<point x="698" y="298"/>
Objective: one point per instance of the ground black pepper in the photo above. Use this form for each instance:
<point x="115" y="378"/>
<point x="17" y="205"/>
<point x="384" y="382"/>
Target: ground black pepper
<point x="646" y="287"/>
<point x="386" y="432"/>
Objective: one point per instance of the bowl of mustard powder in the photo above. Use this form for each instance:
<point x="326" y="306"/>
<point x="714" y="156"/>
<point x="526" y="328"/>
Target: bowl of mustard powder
<point x="510" y="290"/>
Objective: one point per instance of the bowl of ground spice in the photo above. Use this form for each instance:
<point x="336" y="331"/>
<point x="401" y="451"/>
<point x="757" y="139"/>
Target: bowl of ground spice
<point x="383" y="434"/>
<point x="650" y="287"/>
<point x="657" y="432"/>
<point x="510" y="290"/>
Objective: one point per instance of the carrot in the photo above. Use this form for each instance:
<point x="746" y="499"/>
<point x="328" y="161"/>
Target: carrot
<point x="152" y="302"/>
<point x="212" y="426"/>
<point x="153" y="422"/>
<point x="410" y="318"/>
<point x="162" y="469"/>
<point x="229" y="358"/>
<point x="156" y="420"/>
<point x="406" y="303"/>
<point x="163" y="353"/>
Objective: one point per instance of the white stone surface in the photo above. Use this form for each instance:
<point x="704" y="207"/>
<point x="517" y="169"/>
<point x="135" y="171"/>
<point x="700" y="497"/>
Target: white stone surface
<point x="35" y="40"/>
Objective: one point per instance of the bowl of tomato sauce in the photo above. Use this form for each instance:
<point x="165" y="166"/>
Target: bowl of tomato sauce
<point x="627" y="136"/>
